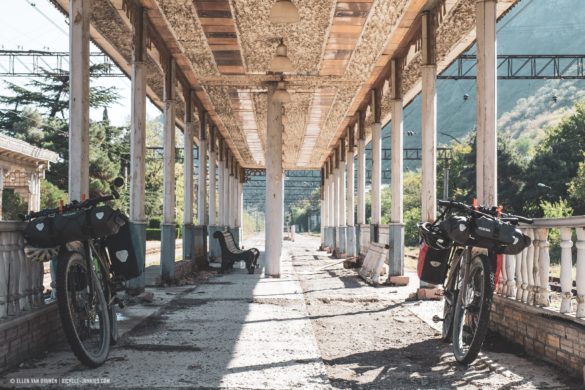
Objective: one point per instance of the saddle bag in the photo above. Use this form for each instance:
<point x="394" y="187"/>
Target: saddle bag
<point x="105" y="221"/>
<point x="432" y="264"/>
<point x="123" y="254"/>
<point x="39" y="232"/>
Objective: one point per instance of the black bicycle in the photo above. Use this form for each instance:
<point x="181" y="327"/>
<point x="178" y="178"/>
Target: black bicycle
<point x="91" y="244"/>
<point x="462" y="250"/>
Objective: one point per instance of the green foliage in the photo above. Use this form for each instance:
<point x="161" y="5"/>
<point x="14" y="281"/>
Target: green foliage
<point x="154" y="223"/>
<point x="412" y="216"/>
<point x="51" y="195"/>
<point x="12" y="205"/>
<point x="153" y="234"/>
<point x="577" y="187"/>
<point x="560" y="209"/>
<point x="556" y="163"/>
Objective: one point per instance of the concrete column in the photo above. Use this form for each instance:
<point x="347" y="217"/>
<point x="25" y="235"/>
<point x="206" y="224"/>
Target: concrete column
<point x="336" y="191"/>
<point x="2" y="173"/>
<point x="396" y="261"/>
<point x="241" y="201"/>
<point x="231" y="207"/>
<point x="376" y="173"/>
<point x="361" y="172"/>
<point x="168" y="232"/>
<point x="351" y="237"/>
<point x="226" y="187"/>
<point x="429" y="121"/>
<point x="188" y="134"/>
<point x="331" y="192"/>
<point x="79" y="13"/>
<point x="487" y="136"/>
<point x="202" y="215"/>
<point x="274" y="187"/>
<point x="323" y="205"/>
<point x="342" y="185"/>
<point x="138" y="143"/>
<point x="212" y="180"/>
<point x="220" y="182"/>
<point x="350" y="173"/>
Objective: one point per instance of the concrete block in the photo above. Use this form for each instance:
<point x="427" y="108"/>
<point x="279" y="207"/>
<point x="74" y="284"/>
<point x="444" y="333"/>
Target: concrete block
<point x="399" y="280"/>
<point x="374" y="264"/>
<point x="429" y="294"/>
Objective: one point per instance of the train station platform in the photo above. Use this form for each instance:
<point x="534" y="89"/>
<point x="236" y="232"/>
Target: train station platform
<point x="317" y="327"/>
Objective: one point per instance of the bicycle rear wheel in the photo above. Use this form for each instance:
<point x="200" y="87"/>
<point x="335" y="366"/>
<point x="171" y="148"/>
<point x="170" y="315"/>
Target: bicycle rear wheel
<point x="451" y="293"/>
<point x="83" y="310"/>
<point x="472" y="311"/>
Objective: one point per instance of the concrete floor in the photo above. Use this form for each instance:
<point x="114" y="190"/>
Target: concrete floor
<point x="243" y="331"/>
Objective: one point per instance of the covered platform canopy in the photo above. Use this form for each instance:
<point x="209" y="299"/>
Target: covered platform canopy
<point x="354" y="64"/>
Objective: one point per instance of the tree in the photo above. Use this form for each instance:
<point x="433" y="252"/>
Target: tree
<point x="556" y="163"/>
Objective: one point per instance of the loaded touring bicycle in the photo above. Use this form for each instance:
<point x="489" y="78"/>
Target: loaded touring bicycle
<point x="462" y="250"/>
<point x="95" y="256"/>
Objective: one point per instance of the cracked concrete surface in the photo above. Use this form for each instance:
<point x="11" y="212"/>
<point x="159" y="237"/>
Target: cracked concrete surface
<point x="317" y="327"/>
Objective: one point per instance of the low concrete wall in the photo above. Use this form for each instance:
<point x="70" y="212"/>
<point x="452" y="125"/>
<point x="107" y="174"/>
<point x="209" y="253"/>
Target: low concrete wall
<point x="26" y="336"/>
<point x="545" y="334"/>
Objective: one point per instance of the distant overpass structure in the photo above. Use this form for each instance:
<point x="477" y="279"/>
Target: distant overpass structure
<point x="522" y="67"/>
<point x="39" y="63"/>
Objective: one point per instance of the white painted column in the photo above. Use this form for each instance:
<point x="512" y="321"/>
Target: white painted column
<point x="274" y="187"/>
<point x="240" y="203"/>
<point x="429" y="121"/>
<point x="221" y="185"/>
<point x="79" y="13"/>
<point x="168" y="229"/>
<point x="342" y="185"/>
<point x="487" y="154"/>
<point x="376" y="173"/>
<point x="2" y="173"/>
<point x="202" y="215"/>
<point x="361" y="173"/>
<point x="188" y="134"/>
<point x="226" y="186"/>
<point x="169" y="146"/>
<point x="396" y="262"/>
<point x="138" y="142"/>
<point x="212" y="180"/>
<point x="232" y="205"/>
<point x="331" y="192"/>
<point x="336" y="192"/>
<point x="350" y="173"/>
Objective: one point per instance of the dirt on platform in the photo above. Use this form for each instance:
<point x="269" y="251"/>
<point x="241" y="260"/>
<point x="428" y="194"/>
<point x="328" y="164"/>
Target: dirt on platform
<point x="370" y="338"/>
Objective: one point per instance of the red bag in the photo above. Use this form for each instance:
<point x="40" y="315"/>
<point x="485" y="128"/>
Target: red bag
<point x="432" y="264"/>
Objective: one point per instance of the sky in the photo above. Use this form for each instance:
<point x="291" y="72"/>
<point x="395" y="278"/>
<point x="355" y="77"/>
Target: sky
<point x="50" y="33"/>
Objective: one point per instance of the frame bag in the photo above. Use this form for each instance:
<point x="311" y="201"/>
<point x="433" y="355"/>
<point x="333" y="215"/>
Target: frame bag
<point x="71" y="226"/>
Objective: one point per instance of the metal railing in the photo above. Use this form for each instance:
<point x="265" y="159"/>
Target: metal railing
<point x="21" y="280"/>
<point x="526" y="277"/>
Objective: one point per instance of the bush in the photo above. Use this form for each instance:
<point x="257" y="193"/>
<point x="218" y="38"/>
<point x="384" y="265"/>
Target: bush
<point x="154" y="223"/>
<point x="153" y="234"/>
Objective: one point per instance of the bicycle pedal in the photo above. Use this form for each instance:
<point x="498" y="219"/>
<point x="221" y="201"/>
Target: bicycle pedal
<point x="436" y="318"/>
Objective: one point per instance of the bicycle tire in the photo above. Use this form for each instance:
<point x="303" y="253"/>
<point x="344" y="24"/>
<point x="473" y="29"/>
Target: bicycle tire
<point x="64" y="276"/>
<point x="451" y="293"/>
<point x="480" y="272"/>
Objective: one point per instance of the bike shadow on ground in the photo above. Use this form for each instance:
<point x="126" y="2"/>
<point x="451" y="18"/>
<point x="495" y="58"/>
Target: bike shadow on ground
<point x="430" y="364"/>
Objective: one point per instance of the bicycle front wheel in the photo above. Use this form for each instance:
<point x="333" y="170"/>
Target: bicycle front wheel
<point x="472" y="311"/>
<point x="83" y="310"/>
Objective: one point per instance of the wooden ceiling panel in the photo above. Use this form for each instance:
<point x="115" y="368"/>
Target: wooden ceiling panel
<point x="220" y="29"/>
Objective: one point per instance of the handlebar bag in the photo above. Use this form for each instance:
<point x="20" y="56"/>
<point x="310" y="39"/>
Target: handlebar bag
<point x="105" y="221"/>
<point x="457" y="229"/>
<point x="521" y="241"/>
<point x="493" y="229"/>
<point x="39" y="232"/>
<point x="71" y="226"/>
<point x="432" y="264"/>
<point x="123" y="253"/>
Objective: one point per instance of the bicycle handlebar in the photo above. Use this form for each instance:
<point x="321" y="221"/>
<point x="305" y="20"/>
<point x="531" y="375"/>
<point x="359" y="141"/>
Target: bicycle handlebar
<point x="74" y="205"/>
<point x="489" y="212"/>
